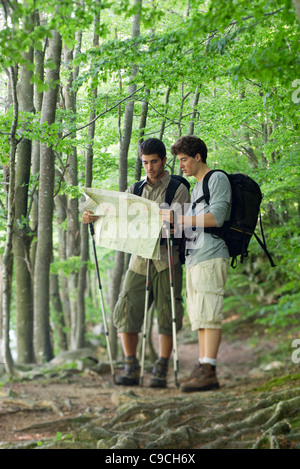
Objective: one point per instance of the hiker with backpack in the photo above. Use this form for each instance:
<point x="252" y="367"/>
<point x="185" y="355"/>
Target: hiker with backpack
<point x="160" y="187"/>
<point x="207" y="258"/>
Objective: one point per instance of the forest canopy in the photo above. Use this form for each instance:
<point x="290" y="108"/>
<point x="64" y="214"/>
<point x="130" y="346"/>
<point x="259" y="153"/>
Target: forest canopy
<point x="82" y="83"/>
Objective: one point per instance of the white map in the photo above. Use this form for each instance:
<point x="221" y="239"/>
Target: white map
<point x="126" y="222"/>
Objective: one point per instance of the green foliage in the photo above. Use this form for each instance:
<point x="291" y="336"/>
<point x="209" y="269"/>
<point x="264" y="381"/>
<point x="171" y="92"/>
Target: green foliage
<point x="276" y="382"/>
<point x="68" y="266"/>
<point x="243" y="59"/>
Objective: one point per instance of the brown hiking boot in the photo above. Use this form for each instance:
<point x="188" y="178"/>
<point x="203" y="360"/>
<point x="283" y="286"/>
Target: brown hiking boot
<point x="159" y="374"/>
<point x="197" y="370"/>
<point x="131" y="374"/>
<point x="204" y="379"/>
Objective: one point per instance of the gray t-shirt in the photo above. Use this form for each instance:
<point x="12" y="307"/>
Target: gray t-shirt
<point x="204" y="246"/>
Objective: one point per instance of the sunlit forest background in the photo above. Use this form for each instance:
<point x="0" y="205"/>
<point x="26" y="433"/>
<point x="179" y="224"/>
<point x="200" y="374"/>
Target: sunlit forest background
<point x="82" y="83"/>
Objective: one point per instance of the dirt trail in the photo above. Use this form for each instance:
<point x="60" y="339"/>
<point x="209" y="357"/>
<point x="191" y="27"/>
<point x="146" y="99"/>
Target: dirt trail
<point x="47" y="408"/>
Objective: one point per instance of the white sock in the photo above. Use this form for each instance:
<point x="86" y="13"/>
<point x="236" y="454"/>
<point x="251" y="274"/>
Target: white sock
<point x="200" y="360"/>
<point x="211" y="361"/>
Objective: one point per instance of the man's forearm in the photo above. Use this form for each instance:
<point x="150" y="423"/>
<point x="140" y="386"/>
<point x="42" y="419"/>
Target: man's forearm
<point x="198" y="221"/>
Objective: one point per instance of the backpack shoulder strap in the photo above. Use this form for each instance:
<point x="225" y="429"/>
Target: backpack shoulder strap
<point x="138" y="188"/>
<point x="206" y="193"/>
<point x="171" y="189"/>
<point x="205" y="183"/>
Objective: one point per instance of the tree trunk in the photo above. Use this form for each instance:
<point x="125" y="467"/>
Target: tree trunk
<point x="7" y="254"/>
<point x="73" y="238"/>
<point x="84" y="234"/>
<point x="247" y="146"/>
<point x="183" y="98"/>
<point x="296" y="4"/>
<point x="22" y="238"/>
<point x="114" y="293"/>
<point x="193" y="117"/>
<point x="128" y="114"/>
<point x="143" y="120"/>
<point x="61" y="216"/>
<point x="163" y="123"/>
<point x="39" y="57"/>
<point x="123" y="157"/>
<point x="194" y="111"/>
<point x="58" y="314"/>
<point x="43" y="349"/>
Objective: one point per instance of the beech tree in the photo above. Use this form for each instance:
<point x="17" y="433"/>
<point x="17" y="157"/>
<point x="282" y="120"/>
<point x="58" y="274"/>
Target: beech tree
<point x="43" y="348"/>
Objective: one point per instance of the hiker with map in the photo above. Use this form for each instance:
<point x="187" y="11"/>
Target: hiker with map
<point x="129" y="310"/>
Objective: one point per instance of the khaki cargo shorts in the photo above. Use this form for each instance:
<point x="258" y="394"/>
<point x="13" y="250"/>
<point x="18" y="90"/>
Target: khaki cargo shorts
<point x="205" y="293"/>
<point x="129" y="310"/>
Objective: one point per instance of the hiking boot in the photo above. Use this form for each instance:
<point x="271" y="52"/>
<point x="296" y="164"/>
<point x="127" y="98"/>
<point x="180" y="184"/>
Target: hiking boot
<point x="159" y="374"/>
<point x="205" y="379"/>
<point x="131" y="374"/>
<point x="197" y="370"/>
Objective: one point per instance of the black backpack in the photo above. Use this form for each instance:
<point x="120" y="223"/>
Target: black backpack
<point x="245" y="211"/>
<point x="173" y="185"/>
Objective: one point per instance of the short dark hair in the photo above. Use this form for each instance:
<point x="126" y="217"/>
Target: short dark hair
<point x="190" y="145"/>
<point x="152" y="146"/>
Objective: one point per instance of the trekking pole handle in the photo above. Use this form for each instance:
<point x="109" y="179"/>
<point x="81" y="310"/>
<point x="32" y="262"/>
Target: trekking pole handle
<point x="92" y="231"/>
<point x="169" y="226"/>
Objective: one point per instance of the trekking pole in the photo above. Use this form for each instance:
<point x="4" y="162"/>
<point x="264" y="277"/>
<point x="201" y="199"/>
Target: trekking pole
<point x="147" y="293"/>
<point x="171" y="271"/>
<point x="101" y="302"/>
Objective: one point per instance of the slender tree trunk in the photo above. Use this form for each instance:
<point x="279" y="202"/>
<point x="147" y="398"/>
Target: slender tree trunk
<point x="142" y="126"/>
<point x="193" y="117"/>
<point x="22" y="238"/>
<point x="163" y="123"/>
<point x="247" y="145"/>
<point x="128" y="114"/>
<point x="183" y="98"/>
<point x="42" y="342"/>
<point x="39" y="57"/>
<point x="296" y="4"/>
<point x="61" y="216"/>
<point x="7" y="254"/>
<point x="84" y="234"/>
<point x="58" y="313"/>
<point x="123" y="158"/>
<point x="114" y="293"/>
<point x="194" y="111"/>
<point x="73" y="238"/>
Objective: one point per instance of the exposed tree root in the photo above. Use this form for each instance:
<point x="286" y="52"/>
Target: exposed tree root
<point x="256" y="426"/>
<point x="10" y="405"/>
<point x="235" y="418"/>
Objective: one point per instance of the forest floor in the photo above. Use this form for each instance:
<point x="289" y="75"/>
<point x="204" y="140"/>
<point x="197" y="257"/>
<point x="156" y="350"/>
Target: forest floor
<point x="79" y="407"/>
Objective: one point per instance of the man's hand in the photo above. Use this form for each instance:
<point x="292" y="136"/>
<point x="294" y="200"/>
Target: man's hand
<point x="167" y="216"/>
<point x="89" y="217"/>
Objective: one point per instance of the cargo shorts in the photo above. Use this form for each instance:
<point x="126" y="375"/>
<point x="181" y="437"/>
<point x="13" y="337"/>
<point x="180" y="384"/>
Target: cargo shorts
<point x="129" y="310"/>
<point x="205" y="283"/>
